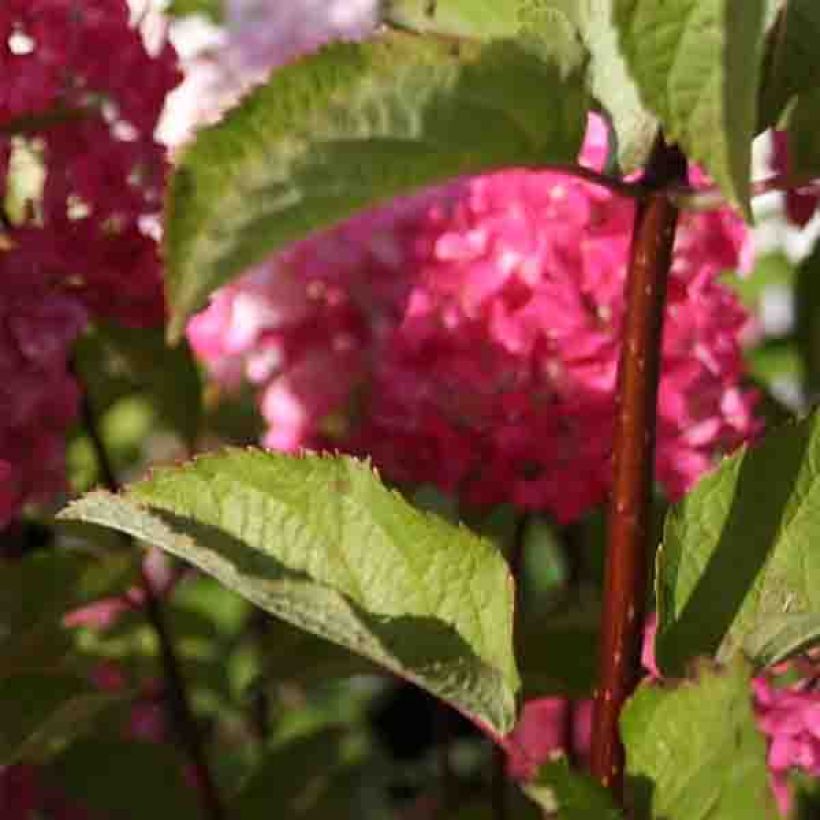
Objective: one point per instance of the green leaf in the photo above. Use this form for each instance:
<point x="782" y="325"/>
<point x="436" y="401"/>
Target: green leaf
<point x="295" y="656"/>
<point x="571" y="31"/>
<point x="739" y="552"/>
<point x="804" y="135"/>
<point x="349" y="128"/>
<point x="41" y="713"/>
<point x="116" y="361"/>
<point x="790" y="65"/>
<point x="693" y="751"/>
<point x="558" y="652"/>
<point x="570" y="794"/>
<point x="125" y="779"/>
<point x="212" y="9"/>
<point x="612" y="84"/>
<point x="549" y="25"/>
<point x="696" y="65"/>
<point x="807" y="330"/>
<point x="475" y="19"/>
<point x="294" y="780"/>
<point x="320" y="542"/>
<point x="32" y="637"/>
<point x="782" y="637"/>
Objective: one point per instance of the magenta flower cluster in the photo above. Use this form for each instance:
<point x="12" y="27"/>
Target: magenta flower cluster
<point x="790" y="718"/>
<point x="469" y="336"/>
<point x="81" y="95"/>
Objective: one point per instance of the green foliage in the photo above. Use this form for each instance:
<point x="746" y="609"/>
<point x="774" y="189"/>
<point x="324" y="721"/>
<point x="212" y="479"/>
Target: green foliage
<point x="804" y="135"/>
<point x="321" y="543"/>
<point x="808" y="322"/>
<point x="125" y="779"/>
<point x="790" y="66"/>
<point x="116" y="361"/>
<point x="32" y="638"/>
<point x="572" y="32"/>
<point x="304" y="778"/>
<point x="574" y="796"/>
<point x="696" y="65"/>
<point x="212" y="9"/>
<point x="550" y="26"/>
<point x="693" y="751"/>
<point x="612" y="84"/>
<point x="739" y="555"/>
<point x="41" y="713"/>
<point x="351" y="127"/>
<point x="475" y="19"/>
<point x="558" y="652"/>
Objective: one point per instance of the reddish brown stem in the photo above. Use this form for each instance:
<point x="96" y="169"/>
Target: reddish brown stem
<point x="634" y="444"/>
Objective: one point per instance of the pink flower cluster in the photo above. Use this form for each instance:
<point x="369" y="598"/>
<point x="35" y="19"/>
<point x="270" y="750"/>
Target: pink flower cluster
<point x="469" y="336"/>
<point x="83" y="94"/>
<point x="790" y="717"/>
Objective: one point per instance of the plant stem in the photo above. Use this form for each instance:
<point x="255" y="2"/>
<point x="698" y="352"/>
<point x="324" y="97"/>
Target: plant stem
<point x="633" y="450"/>
<point x="180" y="713"/>
<point x="499" y="789"/>
<point x="260" y="704"/>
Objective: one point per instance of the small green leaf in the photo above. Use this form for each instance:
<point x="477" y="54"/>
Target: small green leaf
<point x="693" y="751"/>
<point x="320" y="542"/>
<point x="40" y="713"/>
<point x="612" y="84"/>
<point x="115" y="361"/>
<point x="696" y="65"/>
<point x="212" y="9"/>
<point x="294" y="779"/>
<point x="570" y="794"/>
<point x="790" y="65"/>
<point x="804" y="135"/>
<point x="474" y="19"/>
<point x="550" y="25"/>
<point x="125" y="779"/>
<point x="739" y="552"/>
<point x="783" y="636"/>
<point x="807" y="330"/>
<point x="558" y="652"/>
<point x="349" y="128"/>
<point x="32" y="637"/>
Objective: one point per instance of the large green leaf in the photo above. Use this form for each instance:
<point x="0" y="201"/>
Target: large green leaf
<point x="351" y="127"/>
<point x="739" y="552"/>
<point x="40" y="713"/>
<point x="696" y="65"/>
<point x="321" y="543"/>
<point x="694" y="752"/>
